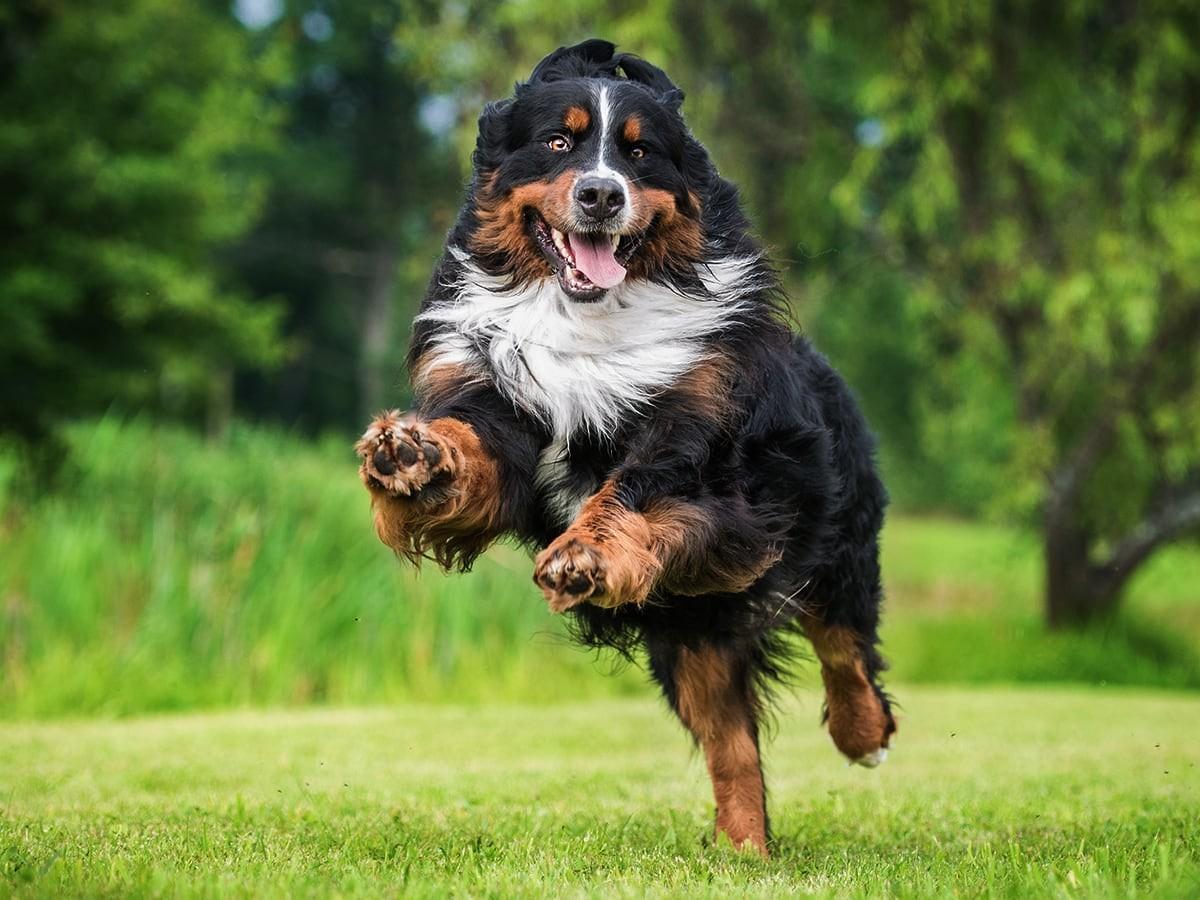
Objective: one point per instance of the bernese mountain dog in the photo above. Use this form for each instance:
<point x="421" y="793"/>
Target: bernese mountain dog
<point x="603" y="370"/>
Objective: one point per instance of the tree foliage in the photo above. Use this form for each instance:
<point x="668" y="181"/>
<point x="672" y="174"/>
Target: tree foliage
<point x="1039" y="184"/>
<point x="361" y="193"/>
<point x="125" y="130"/>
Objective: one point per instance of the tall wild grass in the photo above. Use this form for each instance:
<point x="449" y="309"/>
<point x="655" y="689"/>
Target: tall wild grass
<point x="160" y="571"/>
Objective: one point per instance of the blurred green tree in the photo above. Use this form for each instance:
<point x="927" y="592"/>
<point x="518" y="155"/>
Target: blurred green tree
<point x="127" y="133"/>
<point x="362" y="192"/>
<point x="1034" y="171"/>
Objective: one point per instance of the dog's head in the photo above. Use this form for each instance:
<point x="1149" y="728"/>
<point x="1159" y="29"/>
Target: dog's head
<point x="588" y="175"/>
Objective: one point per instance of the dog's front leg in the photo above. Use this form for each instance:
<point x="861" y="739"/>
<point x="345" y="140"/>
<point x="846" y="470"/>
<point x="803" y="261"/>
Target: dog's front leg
<point x="614" y="553"/>
<point x="653" y="525"/>
<point x="610" y="555"/>
<point x="435" y="489"/>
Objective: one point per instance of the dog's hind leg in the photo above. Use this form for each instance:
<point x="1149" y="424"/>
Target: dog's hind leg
<point x="857" y="710"/>
<point x="713" y="694"/>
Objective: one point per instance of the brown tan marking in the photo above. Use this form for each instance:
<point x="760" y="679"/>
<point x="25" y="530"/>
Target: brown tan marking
<point x="607" y="557"/>
<point x="503" y="228"/>
<point x="706" y="387"/>
<point x="577" y="119"/>
<point x="857" y="721"/>
<point x="692" y="560"/>
<point x="436" y="381"/>
<point x="677" y="236"/>
<point x="611" y="555"/>
<point x="717" y="708"/>
<point x="435" y="491"/>
<point x="632" y="132"/>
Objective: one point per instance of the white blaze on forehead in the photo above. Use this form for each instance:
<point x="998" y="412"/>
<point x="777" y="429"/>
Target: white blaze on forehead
<point x="602" y="169"/>
<point x="605" y="107"/>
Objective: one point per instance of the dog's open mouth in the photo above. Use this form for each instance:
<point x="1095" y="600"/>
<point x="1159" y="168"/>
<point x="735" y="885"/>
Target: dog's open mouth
<point x="587" y="264"/>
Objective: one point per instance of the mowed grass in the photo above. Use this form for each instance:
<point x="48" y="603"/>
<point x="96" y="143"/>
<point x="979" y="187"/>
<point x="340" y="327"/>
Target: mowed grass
<point x="163" y="572"/>
<point x="990" y="791"/>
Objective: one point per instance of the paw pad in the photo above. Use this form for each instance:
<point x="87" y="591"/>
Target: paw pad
<point x="570" y="574"/>
<point x="401" y="455"/>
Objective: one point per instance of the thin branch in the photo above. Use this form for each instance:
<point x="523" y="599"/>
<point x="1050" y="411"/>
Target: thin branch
<point x="1068" y="479"/>
<point x="1174" y="518"/>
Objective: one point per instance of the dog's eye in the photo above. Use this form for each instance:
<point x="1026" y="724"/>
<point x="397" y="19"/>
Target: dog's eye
<point x="637" y="152"/>
<point x="559" y="144"/>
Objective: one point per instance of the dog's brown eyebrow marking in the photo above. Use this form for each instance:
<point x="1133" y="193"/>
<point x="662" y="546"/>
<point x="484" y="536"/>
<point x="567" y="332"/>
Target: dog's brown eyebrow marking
<point x="632" y="131"/>
<point x="577" y="119"/>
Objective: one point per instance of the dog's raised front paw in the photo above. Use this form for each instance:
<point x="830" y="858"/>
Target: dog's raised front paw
<point x="570" y="572"/>
<point x="578" y="569"/>
<point x="402" y="455"/>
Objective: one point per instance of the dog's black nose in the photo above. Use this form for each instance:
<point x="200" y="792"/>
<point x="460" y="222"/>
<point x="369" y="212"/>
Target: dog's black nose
<point x="599" y="197"/>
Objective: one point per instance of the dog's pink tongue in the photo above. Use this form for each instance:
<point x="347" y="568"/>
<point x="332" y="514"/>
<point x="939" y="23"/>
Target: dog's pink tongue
<point x="595" y="258"/>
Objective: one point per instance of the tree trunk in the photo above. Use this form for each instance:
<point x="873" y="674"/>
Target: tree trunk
<point x="219" y="411"/>
<point x="375" y="336"/>
<point x="1078" y="593"/>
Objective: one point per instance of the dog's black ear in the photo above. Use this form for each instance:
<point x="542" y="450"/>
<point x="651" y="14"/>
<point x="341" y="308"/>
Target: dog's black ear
<point x="566" y="62"/>
<point x="637" y="69"/>
<point x="493" y="137"/>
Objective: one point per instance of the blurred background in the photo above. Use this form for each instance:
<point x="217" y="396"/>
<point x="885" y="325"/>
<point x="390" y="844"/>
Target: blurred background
<point x="217" y="223"/>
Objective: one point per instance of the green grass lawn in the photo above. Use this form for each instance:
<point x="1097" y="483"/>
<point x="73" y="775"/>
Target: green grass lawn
<point x="166" y="573"/>
<point x="997" y="791"/>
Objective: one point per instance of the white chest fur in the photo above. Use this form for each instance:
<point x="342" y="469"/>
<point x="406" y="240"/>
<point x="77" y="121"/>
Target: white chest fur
<point x="561" y="499"/>
<point x="583" y="366"/>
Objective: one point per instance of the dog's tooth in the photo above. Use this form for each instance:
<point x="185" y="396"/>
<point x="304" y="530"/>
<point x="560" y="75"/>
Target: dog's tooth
<point x="616" y="239"/>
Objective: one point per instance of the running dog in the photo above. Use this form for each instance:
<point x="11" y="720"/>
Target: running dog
<point x="603" y="370"/>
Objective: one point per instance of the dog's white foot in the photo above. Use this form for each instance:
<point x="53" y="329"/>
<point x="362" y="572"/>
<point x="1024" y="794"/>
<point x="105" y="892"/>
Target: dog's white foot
<point x="872" y="759"/>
